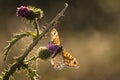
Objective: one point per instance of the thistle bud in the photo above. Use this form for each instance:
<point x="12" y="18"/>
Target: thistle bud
<point x="29" y="12"/>
<point x="44" y="53"/>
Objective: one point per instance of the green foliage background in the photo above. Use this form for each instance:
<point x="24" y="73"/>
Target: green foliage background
<point x="90" y="30"/>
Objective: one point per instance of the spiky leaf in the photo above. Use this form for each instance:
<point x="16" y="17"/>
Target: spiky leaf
<point x="15" y="39"/>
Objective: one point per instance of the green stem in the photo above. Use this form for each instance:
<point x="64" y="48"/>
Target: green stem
<point x="33" y="58"/>
<point x="37" y="27"/>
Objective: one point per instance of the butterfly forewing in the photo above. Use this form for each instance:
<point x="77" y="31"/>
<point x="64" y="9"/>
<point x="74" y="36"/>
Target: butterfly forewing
<point x="55" y="37"/>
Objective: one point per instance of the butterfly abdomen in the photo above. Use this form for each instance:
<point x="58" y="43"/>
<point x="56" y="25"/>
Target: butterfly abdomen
<point x="60" y="49"/>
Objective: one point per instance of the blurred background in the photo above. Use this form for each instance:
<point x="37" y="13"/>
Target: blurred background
<point x="90" y="31"/>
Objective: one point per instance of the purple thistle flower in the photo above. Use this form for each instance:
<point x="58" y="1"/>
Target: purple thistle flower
<point x="52" y="47"/>
<point x="23" y="11"/>
<point x="29" y="12"/>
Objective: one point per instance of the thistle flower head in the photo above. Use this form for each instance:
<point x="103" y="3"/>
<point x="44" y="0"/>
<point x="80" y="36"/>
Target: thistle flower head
<point x="52" y="47"/>
<point x="23" y="11"/>
<point x="29" y="12"/>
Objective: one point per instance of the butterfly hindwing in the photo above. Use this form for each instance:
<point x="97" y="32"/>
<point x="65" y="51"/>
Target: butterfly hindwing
<point x="69" y="60"/>
<point x="58" y="61"/>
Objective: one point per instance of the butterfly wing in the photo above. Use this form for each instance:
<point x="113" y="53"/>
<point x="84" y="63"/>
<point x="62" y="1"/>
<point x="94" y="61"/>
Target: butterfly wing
<point x="58" y="61"/>
<point x="55" y="37"/>
<point x="64" y="59"/>
<point x="69" y="60"/>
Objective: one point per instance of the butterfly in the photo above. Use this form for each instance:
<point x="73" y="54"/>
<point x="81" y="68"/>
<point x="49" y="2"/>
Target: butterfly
<point x="61" y="57"/>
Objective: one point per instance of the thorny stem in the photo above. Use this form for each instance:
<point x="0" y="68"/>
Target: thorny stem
<point x="33" y="58"/>
<point x="21" y="59"/>
<point x="37" y="27"/>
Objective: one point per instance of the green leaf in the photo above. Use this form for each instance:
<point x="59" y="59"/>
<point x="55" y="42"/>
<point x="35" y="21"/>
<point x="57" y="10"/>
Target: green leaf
<point x="15" y="39"/>
<point x="32" y="73"/>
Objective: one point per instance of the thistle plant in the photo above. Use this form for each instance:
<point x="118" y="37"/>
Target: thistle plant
<point x="33" y="15"/>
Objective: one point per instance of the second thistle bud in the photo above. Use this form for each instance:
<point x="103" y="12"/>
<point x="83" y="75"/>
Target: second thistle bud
<point x="44" y="53"/>
<point x="29" y="12"/>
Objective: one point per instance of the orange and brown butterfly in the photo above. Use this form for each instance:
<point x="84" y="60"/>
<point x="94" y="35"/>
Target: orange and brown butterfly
<point x="60" y="56"/>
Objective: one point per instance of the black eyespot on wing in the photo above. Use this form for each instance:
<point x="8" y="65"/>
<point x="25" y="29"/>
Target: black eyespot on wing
<point x="74" y="62"/>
